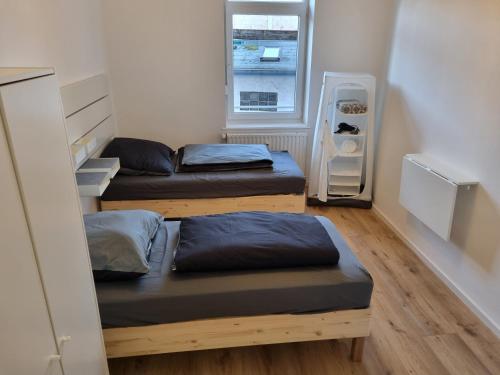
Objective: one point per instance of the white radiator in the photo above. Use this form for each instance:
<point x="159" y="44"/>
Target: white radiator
<point x="293" y="142"/>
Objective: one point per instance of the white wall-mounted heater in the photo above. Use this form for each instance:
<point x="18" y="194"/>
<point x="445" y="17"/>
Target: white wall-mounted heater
<point x="429" y="190"/>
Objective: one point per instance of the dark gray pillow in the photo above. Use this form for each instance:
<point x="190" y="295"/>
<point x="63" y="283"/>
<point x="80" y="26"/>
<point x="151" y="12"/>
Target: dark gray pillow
<point x="141" y="157"/>
<point x="119" y="242"/>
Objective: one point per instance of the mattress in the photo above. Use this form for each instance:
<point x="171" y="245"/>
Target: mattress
<point x="164" y="296"/>
<point x="285" y="177"/>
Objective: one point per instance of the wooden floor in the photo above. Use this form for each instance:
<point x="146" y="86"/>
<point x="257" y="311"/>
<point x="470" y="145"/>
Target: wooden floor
<point x="419" y="326"/>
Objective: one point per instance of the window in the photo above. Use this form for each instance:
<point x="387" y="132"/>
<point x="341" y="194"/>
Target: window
<point x="265" y="59"/>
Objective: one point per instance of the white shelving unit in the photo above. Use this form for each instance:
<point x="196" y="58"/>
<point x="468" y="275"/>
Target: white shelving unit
<point x="349" y="171"/>
<point x="346" y="169"/>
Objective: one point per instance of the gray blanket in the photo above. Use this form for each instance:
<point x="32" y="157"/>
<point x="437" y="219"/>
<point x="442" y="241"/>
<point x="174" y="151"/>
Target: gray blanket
<point x="253" y="240"/>
<point x="223" y="157"/>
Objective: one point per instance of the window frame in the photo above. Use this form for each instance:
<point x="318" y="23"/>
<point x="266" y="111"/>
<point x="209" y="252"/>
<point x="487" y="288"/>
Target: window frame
<point x="266" y="7"/>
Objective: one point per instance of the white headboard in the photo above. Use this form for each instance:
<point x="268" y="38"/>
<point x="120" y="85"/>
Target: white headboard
<point x="88" y="111"/>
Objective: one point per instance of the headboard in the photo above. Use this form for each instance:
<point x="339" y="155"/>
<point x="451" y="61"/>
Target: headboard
<point x="88" y="111"/>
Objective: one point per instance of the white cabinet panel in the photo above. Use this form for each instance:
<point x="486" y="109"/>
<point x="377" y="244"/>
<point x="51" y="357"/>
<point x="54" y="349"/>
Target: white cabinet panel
<point x="26" y="338"/>
<point x="428" y="196"/>
<point x="38" y="142"/>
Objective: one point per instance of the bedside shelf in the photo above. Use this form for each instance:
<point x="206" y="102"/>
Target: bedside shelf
<point x="111" y="166"/>
<point x="92" y="184"/>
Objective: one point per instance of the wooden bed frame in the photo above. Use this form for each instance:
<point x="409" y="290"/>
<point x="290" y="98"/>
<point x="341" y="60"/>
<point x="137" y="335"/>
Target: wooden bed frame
<point x="177" y="208"/>
<point x="236" y="332"/>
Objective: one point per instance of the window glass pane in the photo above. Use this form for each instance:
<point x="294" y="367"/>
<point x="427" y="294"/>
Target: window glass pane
<point x="265" y="54"/>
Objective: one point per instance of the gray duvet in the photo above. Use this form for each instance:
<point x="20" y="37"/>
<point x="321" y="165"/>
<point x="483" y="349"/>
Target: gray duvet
<point x="253" y="240"/>
<point x="205" y="154"/>
<point x="164" y="296"/>
<point x="222" y="157"/>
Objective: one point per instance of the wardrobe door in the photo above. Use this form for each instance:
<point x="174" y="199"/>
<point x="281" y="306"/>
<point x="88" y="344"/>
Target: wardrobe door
<point x="37" y="138"/>
<point x="26" y="336"/>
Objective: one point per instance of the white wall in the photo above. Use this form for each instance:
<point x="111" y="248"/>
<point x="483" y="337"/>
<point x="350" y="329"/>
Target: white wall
<point x="167" y="68"/>
<point x="65" y="34"/>
<point x="349" y="36"/>
<point x="443" y="100"/>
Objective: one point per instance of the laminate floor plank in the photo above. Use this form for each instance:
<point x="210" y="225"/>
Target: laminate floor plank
<point x="456" y="355"/>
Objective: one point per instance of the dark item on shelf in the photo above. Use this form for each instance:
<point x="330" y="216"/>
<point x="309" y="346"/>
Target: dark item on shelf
<point x="346" y="128"/>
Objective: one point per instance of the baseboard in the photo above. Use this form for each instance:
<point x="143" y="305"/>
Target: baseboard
<point x="469" y="302"/>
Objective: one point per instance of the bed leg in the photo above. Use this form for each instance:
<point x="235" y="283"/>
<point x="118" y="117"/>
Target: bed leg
<point x="358" y="344"/>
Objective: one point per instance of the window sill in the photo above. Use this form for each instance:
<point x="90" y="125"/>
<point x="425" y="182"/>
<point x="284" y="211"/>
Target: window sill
<point x="284" y="126"/>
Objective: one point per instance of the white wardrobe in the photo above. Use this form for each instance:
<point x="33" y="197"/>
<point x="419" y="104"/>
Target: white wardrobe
<point x="49" y="321"/>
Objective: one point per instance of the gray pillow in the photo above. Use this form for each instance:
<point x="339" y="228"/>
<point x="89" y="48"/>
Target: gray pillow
<point x="119" y="242"/>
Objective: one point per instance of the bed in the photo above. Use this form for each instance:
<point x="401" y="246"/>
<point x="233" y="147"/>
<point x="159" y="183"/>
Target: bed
<point x="166" y="312"/>
<point x="90" y="127"/>
<point x="276" y="189"/>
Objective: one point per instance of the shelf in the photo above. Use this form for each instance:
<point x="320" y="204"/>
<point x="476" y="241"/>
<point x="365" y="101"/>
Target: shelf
<point x="111" y="166"/>
<point x="353" y="167"/>
<point x="344" y="190"/>
<point x="358" y="115"/>
<point x="357" y="154"/>
<point x="350" y="87"/>
<point x="361" y="134"/>
<point x="345" y="184"/>
<point x="92" y="184"/>
<point x="352" y="173"/>
<point x="351" y="115"/>
<point x="346" y="181"/>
